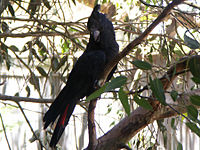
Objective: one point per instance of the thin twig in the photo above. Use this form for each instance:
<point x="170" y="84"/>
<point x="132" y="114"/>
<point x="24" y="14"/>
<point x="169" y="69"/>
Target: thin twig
<point x="31" y="72"/>
<point x="156" y="6"/>
<point x="2" y="83"/>
<point x="66" y="34"/>
<point x="4" y="130"/>
<point x="42" y="146"/>
<point x="38" y="112"/>
<point x="174" y="71"/>
<point x="179" y="113"/>
<point x="27" y="34"/>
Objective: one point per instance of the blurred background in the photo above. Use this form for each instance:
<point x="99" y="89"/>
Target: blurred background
<point x="40" y="41"/>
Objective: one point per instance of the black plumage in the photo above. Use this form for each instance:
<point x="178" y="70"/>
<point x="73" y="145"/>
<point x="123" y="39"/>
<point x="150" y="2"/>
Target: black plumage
<point x="102" y="47"/>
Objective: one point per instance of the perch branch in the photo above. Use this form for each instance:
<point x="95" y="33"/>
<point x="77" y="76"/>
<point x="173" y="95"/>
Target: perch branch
<point x="138" y="40"/>
<point x="139" y="118"/>
<point x="91" y="125"/>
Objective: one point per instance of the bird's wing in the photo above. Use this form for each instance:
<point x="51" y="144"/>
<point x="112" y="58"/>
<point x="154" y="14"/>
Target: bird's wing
<point x="80" y="83"/>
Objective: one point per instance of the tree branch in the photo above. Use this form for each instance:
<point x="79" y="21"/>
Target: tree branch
<point x="65" y="35"/>
<point x="138" y="40"/>
<point x="182" y="101"/>
<point x="91" y="125"/>
<point x="36" y="34"/>
<point x="32" y="34"/>
<point x="141" y="117"/>
<point x="24" y="99"/>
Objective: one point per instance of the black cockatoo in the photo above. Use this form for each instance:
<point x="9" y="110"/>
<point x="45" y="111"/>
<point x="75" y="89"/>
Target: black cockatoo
<point x="82" y="80"/>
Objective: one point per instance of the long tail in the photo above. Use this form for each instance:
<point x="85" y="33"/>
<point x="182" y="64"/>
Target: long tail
<point x="53" y="112"/>
<point x="62" y="123"/>
<point x="60" y="108"/>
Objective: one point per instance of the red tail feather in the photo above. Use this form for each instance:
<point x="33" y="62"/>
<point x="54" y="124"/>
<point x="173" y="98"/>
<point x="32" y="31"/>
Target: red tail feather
<point x="62" y="121"/>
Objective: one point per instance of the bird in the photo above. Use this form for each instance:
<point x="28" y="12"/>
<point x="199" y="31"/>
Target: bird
<point x="84" y="76"/>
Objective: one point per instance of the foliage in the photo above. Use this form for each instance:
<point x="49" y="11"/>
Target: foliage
<point x="51" y="45"/>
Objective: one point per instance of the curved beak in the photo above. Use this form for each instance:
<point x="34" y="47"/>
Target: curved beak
<point x="96" y="34"/>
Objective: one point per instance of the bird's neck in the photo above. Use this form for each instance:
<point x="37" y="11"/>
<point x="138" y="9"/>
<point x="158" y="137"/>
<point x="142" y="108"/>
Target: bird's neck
<point x="107" y="44"/>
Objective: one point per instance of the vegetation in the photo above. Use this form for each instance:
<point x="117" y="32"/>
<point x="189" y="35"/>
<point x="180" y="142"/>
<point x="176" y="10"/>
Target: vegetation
<point x="158" y="73"/>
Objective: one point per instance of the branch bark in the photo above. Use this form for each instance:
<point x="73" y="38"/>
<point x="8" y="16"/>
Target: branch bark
<point x="24" y="99"/>
<point x="139" y="39"/>
<point x="91" y="125"/>
<point x="32" y="34"/>
<point x="139" y="118"/>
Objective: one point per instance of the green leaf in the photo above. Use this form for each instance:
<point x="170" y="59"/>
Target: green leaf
<point x="154" y="1"/>
<point x="84" y="42"/>
<point x="158" y="91"/>
<point x="35" y="82"/>
<point x="5" y="27"/>
<point x="28" y="91"/>
<point x="192" y="112"/>
<point x="54" y="63"/>
<point x="104" y="1"/>
<point x="193" y="127"/>
<point x="74" y="2"/>
<point x="124" y="100"/>
<point x="179" y="146"/>
<point x="174" y="95"/>
<point x="41" y="71"/>
<point x="172" y="123"/>
<point x="195" y="99"/>
<point x="97" y="93"/>
<point x="42" y="47"/>
<point x="46" y="3"/>
<point x="164" y="50"/>
<point x="17" y="94"/>
<point x="62" y="62"/>
<point x="191" y="43"/>
<point x="196" y="80"/>
<point x="142" y="64"/>
<point x="112" y="123"/>
<point x="150" y="148"/>
<point x="14" y="48"/>
<point x="179" y="53"/>
<point x="35" y="136"/>
<point x="116" y="83"/>
<point x="142" y="102"/>
<point x="194" y="65"/>
<point x="8" y="63"/>
<point x="11" y="10"/>
<point x="34" y="52"/>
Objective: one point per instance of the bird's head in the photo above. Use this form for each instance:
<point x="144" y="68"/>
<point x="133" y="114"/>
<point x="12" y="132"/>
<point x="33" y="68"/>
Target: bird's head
<point x="97" y="22"/>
